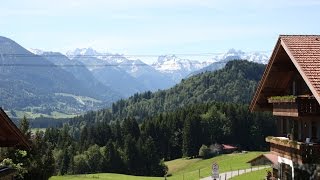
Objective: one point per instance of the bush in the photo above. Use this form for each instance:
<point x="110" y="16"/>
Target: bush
<point x="204" y="152"/>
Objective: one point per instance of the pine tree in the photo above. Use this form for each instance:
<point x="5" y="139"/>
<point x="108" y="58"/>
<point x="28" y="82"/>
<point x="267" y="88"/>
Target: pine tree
<point x="131" y="155"/>
<point x="131" y="127"/>
<point x="25" y="127"/>
<point x="186" y="137"/>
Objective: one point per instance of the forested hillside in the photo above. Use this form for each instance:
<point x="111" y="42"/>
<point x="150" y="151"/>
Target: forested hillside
<point x="235" y="84"/>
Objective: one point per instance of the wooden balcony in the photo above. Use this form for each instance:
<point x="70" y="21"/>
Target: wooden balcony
<point x="298" y="152"/>
<point x="295" y="107"/>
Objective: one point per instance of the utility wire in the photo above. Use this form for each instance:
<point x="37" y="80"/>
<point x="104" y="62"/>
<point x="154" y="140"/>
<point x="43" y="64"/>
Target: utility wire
<point x="98" y="56"/>
<point x="89" y="65"/>
<point x="53" y="54"/>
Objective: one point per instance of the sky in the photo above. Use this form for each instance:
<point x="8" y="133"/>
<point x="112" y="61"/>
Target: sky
<point x="150" y="27"/>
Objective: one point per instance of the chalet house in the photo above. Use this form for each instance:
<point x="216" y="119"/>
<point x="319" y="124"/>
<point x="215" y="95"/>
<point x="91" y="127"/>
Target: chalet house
<point x="290" y="89"/>
<point x="10" y="136"/>
<point x="226" y="148"/>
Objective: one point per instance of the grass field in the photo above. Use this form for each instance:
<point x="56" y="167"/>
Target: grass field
<point x="34" y="130"/>
<point x="31" y="114"/>
<point x="187" y="169"/>
<point x="107" y="176"/>
<point x="190" y="168"/>
<point x="256" y="175"/>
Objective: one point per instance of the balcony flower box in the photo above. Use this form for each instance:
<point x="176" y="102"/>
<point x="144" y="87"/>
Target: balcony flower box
<point x="282" y="141"/>
<point x="282" y="99"/>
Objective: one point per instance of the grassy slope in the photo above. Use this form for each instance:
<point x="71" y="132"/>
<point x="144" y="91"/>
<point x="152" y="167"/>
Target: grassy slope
<point x="256" y="175"/>
<point x="226" y="163"/>
<point x="181" y="167"/>
<point x="34" y="130"/>
<point x="106" y="176"/>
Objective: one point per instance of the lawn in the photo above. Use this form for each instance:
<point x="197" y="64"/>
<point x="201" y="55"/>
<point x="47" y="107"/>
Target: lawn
<point x="187" y="169"/>
<point x="106" y="176"/>
<point x="255" y="175"/>
<point x="34" y="130"/>
<point x="190" y="168"/>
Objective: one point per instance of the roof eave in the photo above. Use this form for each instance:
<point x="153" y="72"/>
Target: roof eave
<point x="298" y="67"/>
<point x="25" y="144"/>
<point x="253" y="105"/>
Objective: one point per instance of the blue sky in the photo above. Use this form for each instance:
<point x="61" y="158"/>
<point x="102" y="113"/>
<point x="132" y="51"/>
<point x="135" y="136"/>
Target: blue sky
<point x="156" y="27"/>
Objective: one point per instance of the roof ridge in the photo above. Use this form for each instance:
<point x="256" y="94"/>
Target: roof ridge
<point x="302" y="35"/>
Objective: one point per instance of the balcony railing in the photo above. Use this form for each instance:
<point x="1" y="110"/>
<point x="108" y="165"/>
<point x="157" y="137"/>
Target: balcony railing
<point x="295" y="106"/>
<point x="297" y="151"/>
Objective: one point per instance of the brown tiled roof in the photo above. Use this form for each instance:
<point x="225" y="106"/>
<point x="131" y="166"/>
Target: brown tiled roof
<point x="304" y="52"/>
<point x="271" y="157"/>
<point x="228" y="147"/>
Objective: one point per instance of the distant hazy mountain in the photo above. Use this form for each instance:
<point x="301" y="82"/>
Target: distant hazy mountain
<point x="114" y="70"/>
<point x="33" y="84"/>
<point x="258" y="57"/>
<point x="147" y="75"/>
<point x="219" y="61"/>
<point x="122" y="74"/>
<point x="79" y="71"/>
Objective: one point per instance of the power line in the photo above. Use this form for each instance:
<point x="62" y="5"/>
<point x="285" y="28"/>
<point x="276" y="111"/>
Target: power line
<point x="99" y="56"/>
<point x="88" y="65"/>
<point x="50" y="54"/>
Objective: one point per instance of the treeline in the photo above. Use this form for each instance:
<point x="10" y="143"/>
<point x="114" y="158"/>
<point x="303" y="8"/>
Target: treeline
<point x="181" y="133"/>
<point x="102" y="147"/>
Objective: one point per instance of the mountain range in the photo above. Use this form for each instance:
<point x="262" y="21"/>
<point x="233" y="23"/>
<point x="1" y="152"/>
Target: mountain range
<point x="40" y="83"/>
<point x="32" y="84"/>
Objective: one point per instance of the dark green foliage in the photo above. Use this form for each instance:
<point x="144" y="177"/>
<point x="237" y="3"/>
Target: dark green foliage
<point x="41" y="158"/>
<point x="25" y="127"/>
<point x="130" y="155"/>
<point x="130" y="127"/>
<point x="204" y="152"/>
<point x="191" y="135"/>
<point x="35" y="163"/>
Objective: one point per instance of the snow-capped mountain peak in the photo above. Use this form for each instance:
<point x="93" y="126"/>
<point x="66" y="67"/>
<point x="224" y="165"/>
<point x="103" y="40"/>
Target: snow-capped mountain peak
<point x="83" y="52"/>
<point x="233" y="54"/>
<point x="172" y="63"/>
<point x="36" y="51"/>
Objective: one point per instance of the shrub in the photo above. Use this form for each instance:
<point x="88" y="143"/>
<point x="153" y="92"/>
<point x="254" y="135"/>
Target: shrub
<point x="204" y="152"/>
